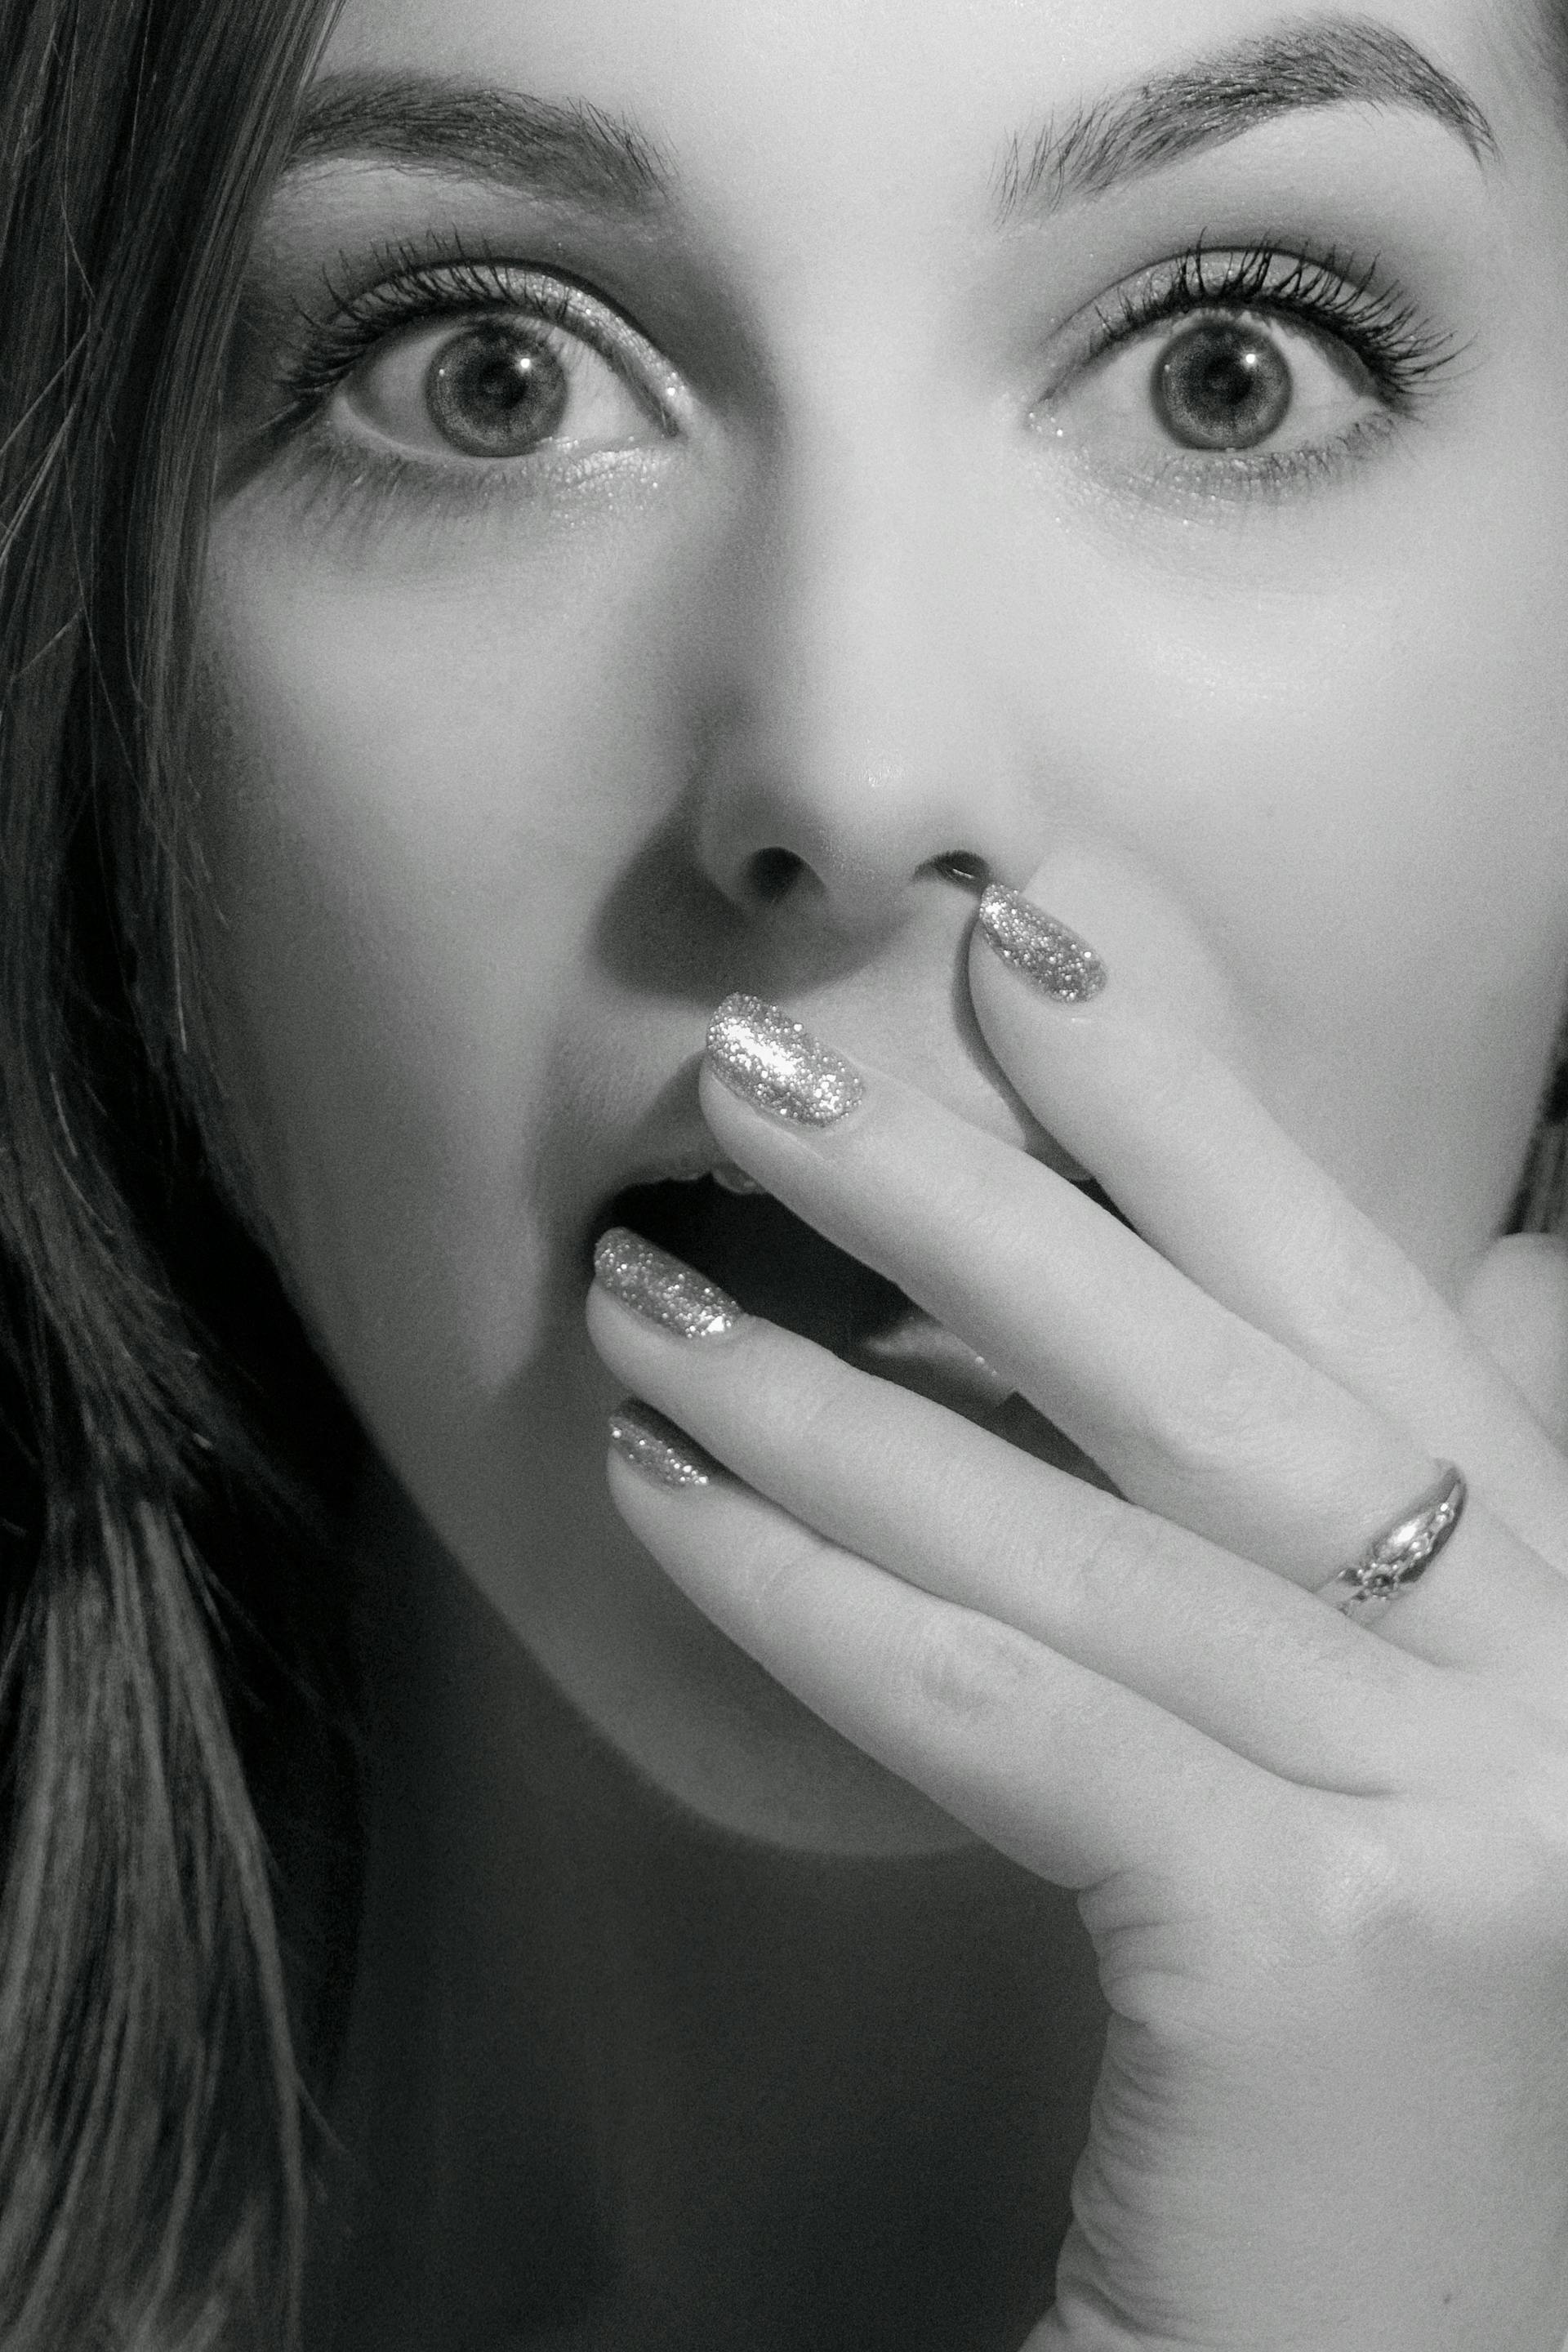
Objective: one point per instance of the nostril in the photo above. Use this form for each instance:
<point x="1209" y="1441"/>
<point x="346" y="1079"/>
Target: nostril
<point x="962" y="865"/>
<point x="771" y="874"/>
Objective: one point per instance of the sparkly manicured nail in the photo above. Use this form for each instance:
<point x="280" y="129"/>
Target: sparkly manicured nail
<point x="1043" y="949"/>
<point x="652" y="1284"/>
<point x="657" y="1448"/>
<point x="776" y="1064"/>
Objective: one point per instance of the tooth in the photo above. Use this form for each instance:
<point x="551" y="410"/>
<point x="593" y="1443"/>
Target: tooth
<point x="735" y="1180"/>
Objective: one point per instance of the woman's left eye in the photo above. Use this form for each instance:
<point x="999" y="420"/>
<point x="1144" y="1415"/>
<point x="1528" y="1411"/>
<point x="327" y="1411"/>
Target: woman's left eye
<point x="492" y="385"/>
<point x="1226" y="384"/>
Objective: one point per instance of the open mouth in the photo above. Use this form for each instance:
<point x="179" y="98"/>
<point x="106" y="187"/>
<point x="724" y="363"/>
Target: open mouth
<point x="768" y="1260"/>
<point x="775" y="1265"/>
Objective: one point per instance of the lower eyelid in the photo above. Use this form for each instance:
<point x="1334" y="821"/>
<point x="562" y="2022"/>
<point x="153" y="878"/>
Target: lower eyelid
<point x="413" y="431"/>
<point x="1192" y="484"/>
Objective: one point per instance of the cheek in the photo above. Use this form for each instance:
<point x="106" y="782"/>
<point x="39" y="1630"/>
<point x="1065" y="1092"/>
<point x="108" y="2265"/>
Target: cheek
<point x="421" y="797"/>
<point x="1354" y="785"/>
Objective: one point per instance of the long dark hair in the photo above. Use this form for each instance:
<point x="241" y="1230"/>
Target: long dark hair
<point x="172" y="1623"/>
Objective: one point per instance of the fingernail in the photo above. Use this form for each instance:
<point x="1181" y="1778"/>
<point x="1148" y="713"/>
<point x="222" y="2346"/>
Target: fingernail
<point x="1043" y="949"/>
<point x="657" y="1448"/>
<point x="777" y="1064"/>
<point x="661" y="1287"/>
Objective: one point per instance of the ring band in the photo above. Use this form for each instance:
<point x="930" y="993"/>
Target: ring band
<point x="1394" y="1561"/>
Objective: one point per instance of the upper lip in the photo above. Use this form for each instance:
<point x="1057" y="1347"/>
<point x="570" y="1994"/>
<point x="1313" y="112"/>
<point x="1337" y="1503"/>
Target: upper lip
<point x="684" y="1159"/>
<point x="671" y="1141"/>
<point x="681" y="1148"/>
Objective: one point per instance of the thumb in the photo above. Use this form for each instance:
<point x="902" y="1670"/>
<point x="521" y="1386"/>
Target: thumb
<point x="1516" y="1303"/>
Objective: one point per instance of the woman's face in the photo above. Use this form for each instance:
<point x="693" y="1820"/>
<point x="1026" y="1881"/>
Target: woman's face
<point x="736" y="455"/>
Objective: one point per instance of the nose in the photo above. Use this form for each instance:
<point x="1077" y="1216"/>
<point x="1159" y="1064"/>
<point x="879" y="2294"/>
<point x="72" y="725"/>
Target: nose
<point x="859" y="732"/>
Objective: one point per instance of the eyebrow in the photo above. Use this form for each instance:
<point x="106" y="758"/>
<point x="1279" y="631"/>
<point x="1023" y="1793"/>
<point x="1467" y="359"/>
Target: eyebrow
<point x="1327" y="61"/>
<point x="581" y="153"/>
<point x="578" y="153"/>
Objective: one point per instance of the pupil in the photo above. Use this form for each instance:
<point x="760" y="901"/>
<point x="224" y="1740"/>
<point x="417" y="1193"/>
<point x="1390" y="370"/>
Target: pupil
<point x="495" y="393"/>
<point x="1222" y="386"/>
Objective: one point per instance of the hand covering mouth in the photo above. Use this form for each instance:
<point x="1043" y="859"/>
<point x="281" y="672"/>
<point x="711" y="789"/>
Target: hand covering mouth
<point x="775" y="1265"/>
<point x="768" y="1260"/>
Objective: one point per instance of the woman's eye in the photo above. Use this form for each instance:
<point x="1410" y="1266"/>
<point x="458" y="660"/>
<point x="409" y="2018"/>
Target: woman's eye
<point x="1224" y="384"/>
<point x="494" y="385"/>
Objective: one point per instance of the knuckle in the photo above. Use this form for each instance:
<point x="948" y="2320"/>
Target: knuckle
<point x="969" y="1673"/>
<point x="1121" y="1553"/>
<point x="1365" y="1295"/>
<point x="811" y="1401"/>
<point x="1230" y="1412"/>
<point x="1429" y="1894"/>
<point x="787" y="1562"/>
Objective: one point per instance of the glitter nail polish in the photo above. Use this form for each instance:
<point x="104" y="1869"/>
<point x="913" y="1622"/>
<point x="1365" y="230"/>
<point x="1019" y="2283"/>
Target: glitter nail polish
<point x="657" y="1448"/>
<point x="661" y="1287"/>
<point x="1033" y="943"/>
<point x="777" y="1064"/>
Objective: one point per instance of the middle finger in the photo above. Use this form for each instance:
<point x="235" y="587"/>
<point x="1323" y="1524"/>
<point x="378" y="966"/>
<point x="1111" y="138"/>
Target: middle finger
<point x="1193" y="1412"/>
<point x="898" y="1480"/>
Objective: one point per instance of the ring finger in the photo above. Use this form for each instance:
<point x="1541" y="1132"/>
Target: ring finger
<point x="1193" y="1412"/>
<point x="899" y="1481"/>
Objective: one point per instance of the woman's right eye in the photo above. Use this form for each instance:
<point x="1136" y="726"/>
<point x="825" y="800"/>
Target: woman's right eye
<point x="492" y="385"/>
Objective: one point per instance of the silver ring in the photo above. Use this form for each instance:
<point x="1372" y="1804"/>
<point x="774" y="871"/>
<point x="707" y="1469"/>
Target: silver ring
<point x="1394" y="1561"/>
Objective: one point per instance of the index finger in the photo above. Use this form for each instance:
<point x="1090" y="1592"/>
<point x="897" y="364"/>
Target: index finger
<point x="1203" y="1171"/>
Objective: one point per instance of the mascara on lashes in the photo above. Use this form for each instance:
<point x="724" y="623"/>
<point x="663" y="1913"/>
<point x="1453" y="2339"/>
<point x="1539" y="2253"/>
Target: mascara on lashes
<point x="409" y="289"/>
<point x="1327" y="292"/>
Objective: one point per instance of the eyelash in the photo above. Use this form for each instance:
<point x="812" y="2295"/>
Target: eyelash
<point x="410" y="288"/>
<point x="1326" y="294"/>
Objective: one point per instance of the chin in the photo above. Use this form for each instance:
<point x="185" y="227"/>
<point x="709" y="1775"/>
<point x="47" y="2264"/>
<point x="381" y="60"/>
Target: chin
<point x="782" y="1778"/>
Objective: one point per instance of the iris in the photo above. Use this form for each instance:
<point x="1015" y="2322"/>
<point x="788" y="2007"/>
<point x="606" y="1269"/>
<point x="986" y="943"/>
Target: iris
<point x="1222" y="384"/>
<point x="496" y="391"/>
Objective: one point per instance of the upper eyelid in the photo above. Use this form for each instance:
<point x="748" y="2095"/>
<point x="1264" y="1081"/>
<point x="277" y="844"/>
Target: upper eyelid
<point x="1152" y="292"/>
<point x="372" y="315"/>
<point x="1326" y="290"/>
<point x="442" y="295"/>
<point x="1112" y="328"/>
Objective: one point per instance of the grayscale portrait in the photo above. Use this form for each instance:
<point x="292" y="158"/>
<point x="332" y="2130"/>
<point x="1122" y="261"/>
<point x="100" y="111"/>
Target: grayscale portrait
<point x="784" y="1161"/>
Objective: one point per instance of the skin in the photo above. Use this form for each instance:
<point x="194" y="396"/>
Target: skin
<point x="490" y="771"/>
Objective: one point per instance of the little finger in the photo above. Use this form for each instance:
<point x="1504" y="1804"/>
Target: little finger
<point x="1075" y="1778"/>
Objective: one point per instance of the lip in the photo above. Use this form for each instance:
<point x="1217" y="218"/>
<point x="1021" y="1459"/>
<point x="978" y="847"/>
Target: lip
<point x="674" y="1144"/>
<point x="671" y="1182"/>
<point x="782" y="1270"/>
<point x="685" y="1158"/>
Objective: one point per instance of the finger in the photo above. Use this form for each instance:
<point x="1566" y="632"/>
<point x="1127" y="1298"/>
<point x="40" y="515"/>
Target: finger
<point x="1193" y="1159"/>
<point x="1515" y="1303"/>
<point x="1075" y="1778"/>
<point x="1193" y="1413"/>
<point x="899" y="1481"/>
